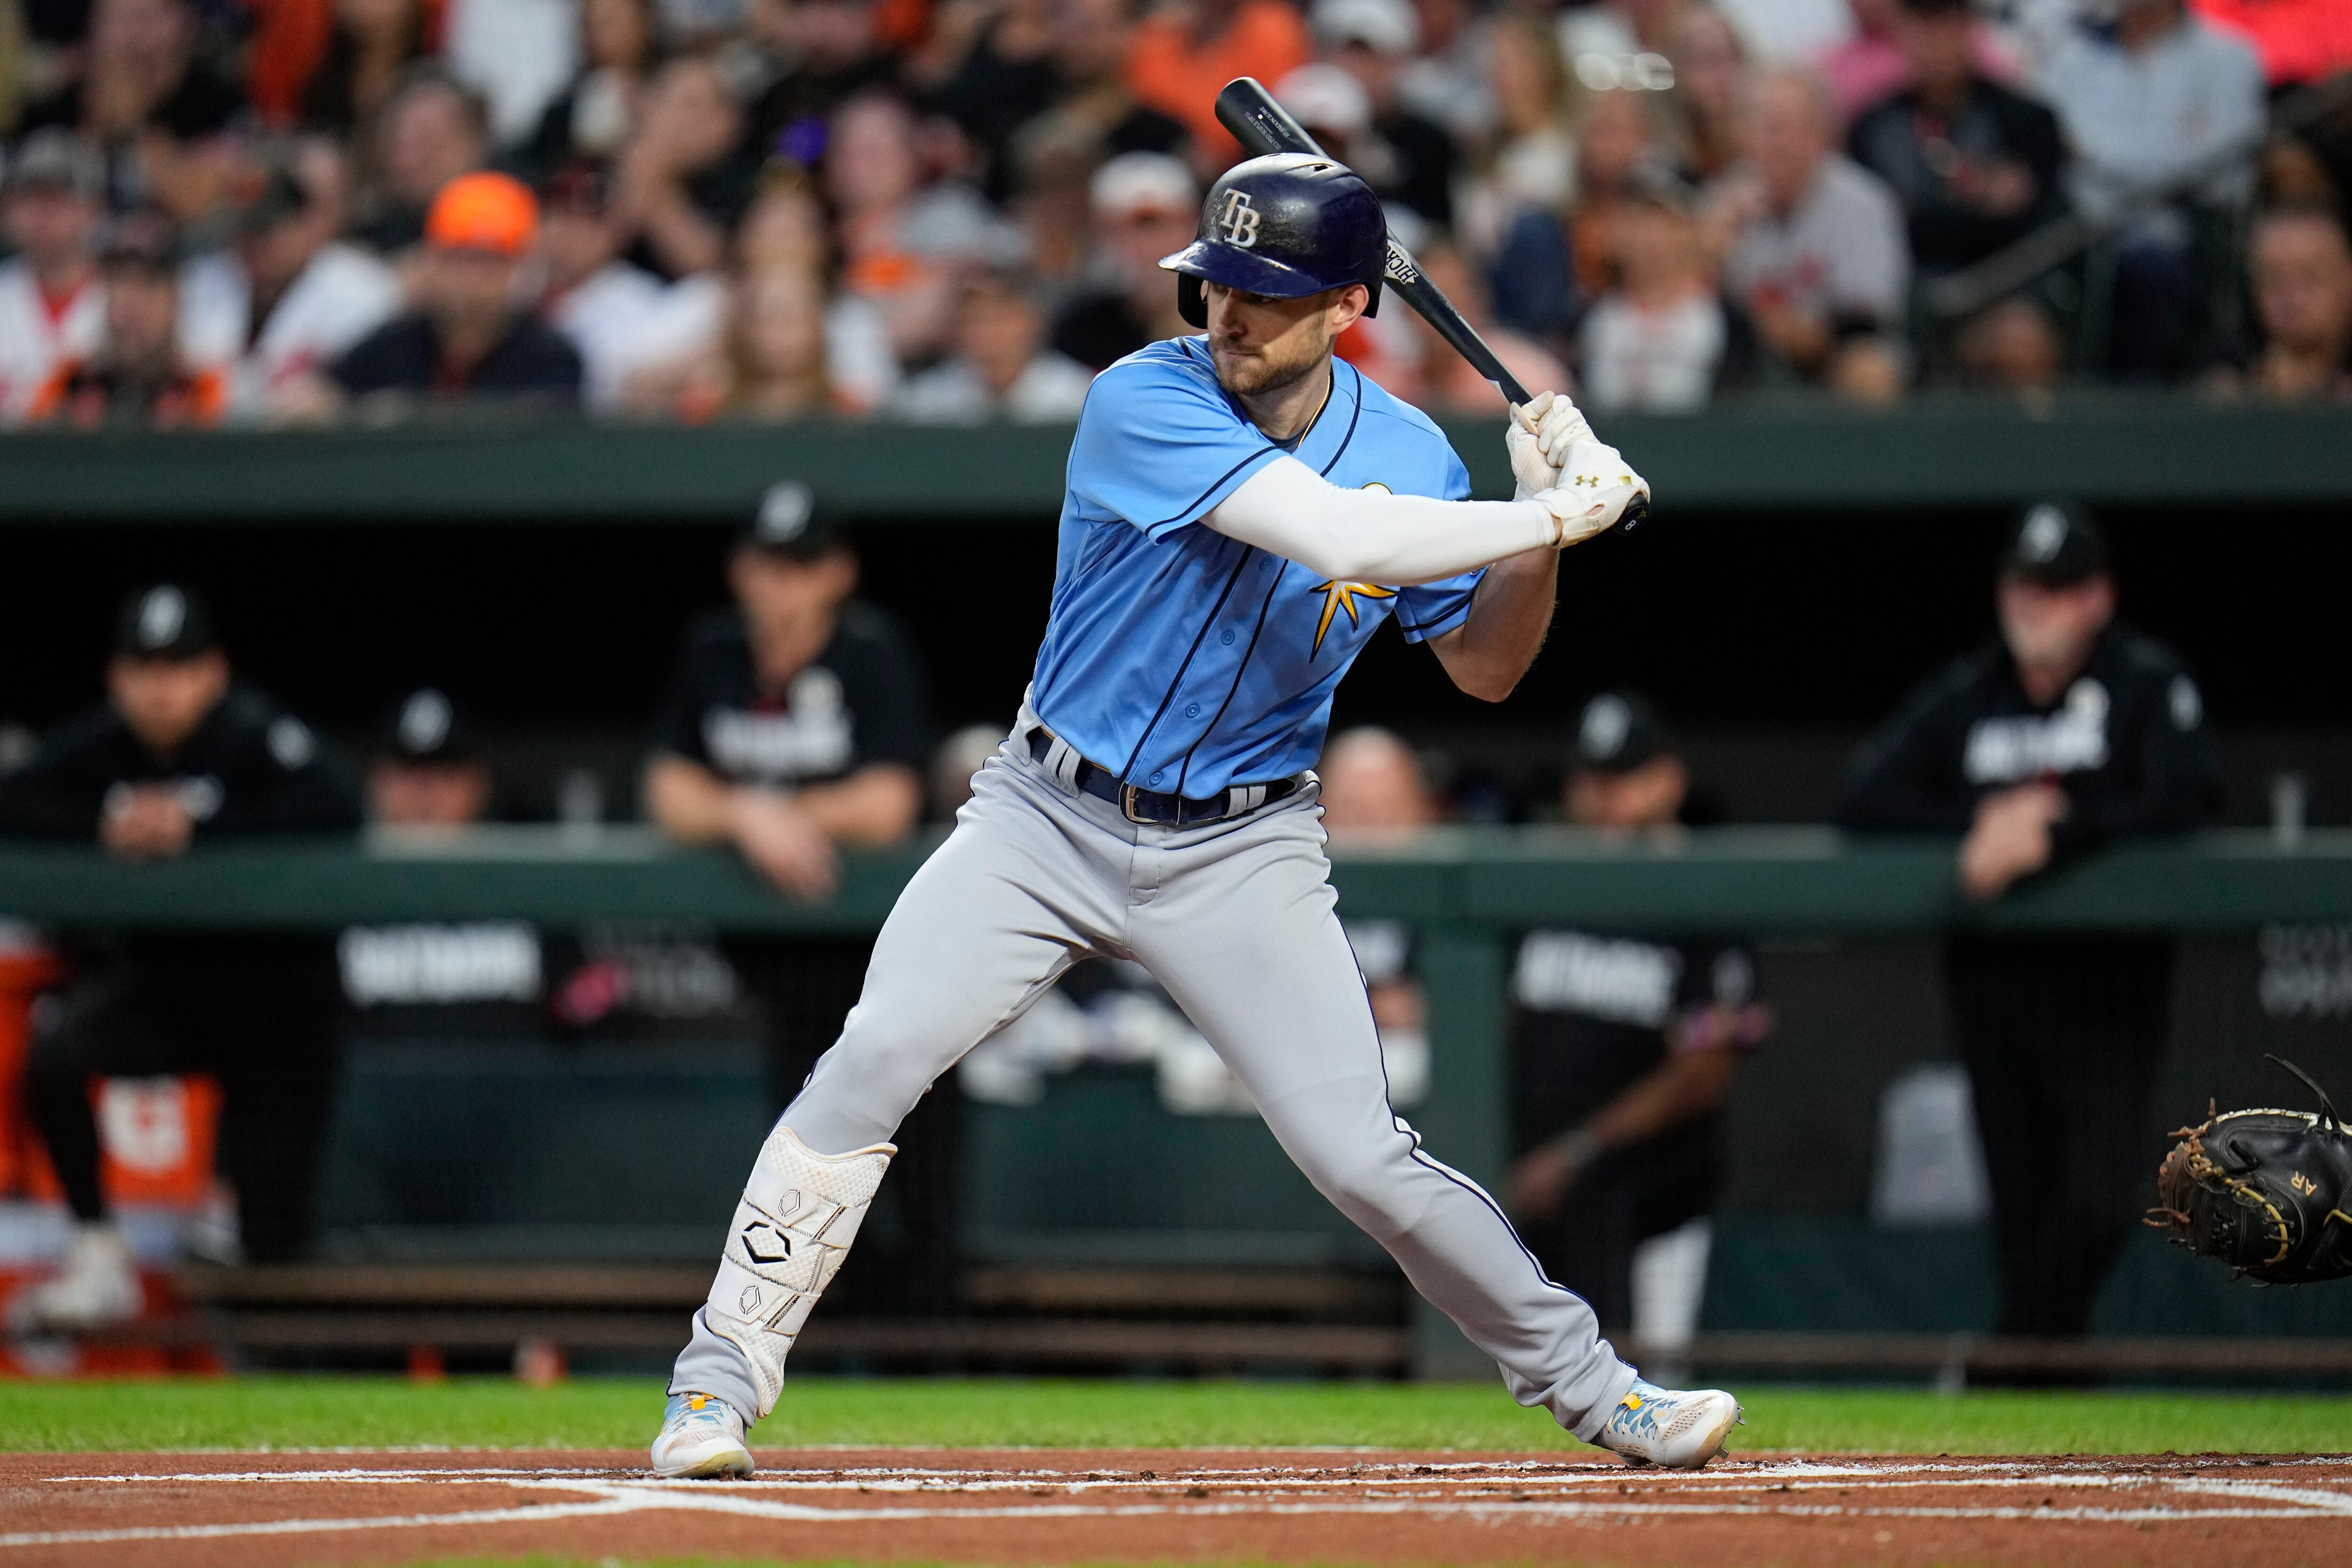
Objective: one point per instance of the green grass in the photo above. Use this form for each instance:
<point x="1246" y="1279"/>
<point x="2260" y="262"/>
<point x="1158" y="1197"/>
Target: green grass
<point x="591" y="1413"/>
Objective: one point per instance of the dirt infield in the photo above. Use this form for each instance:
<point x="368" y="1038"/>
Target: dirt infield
<point x="1046" y="1506"/>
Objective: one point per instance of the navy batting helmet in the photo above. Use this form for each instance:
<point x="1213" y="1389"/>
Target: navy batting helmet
<point x="1287" y="224"/>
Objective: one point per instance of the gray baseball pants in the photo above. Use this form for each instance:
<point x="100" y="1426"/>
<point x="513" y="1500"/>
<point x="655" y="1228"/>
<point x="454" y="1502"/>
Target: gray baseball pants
<point x="1235" y="919"/>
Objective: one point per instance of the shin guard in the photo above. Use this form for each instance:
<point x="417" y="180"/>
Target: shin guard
<point x="799" y="1212"/>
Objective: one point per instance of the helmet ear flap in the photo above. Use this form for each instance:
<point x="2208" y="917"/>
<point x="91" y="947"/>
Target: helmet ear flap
<point x="1373" y="306"/>
<point x="1192" y="302"/>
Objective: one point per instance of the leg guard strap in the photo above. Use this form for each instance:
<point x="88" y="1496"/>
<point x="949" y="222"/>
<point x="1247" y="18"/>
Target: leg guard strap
<point x="798" y="1214"/>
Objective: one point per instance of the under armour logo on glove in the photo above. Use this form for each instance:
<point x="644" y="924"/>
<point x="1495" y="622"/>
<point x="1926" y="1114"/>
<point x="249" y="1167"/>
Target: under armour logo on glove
<point x="1239" y="220"/>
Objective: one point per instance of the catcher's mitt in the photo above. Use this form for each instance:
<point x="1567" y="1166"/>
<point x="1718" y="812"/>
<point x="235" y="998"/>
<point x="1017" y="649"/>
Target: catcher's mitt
<point x="2265" y="1191"/>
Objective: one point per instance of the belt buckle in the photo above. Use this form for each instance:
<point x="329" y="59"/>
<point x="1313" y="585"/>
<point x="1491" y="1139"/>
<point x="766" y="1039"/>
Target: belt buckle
<point x="1127" y="794"/>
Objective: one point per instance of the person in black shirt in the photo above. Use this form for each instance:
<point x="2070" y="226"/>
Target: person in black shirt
<point x="181" y="755"/>
<point x="470" y="338"/>
<point x="796" y="723"/>
<point x="2069" y="732"/>
<point x="1625" y="1051"/>
<point x="1975" y="165"/>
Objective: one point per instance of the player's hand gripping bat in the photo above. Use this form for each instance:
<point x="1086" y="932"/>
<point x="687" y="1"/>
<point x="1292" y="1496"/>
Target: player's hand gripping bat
<point x="1262" y="126"/>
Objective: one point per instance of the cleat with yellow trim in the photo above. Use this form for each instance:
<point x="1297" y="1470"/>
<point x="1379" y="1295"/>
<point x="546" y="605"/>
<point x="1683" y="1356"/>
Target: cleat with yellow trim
<point x="702" y="1438"/>
<point x="1678" y="1429"/>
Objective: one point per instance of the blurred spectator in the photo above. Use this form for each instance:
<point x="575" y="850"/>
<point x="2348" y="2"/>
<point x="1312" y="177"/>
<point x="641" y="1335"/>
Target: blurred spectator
<point x="2010" y="346"/>
<point x="2301" y="273"/>
<point x="2068" y="733"/>
<point x="1144" y="205"/>
<point x="281" y="302"/>
<point x="1975" y="165"/>
<point x="1002" y="367"/>
<point x="1817" y="253"/>
<point x="770" y="363"/>
<point x="1407" y="158"/>
<point x="145" y="87"/>
<point x="52" y="303"/>
<point x="1446" y="384"/>
<point x="432" y="130"/>
<point x="518" y="54"/>
<point x="961" y="756"/>
<point x="1373" y="786"/>
<point x="1710" y="86"/>
<point x="1550" y="264"/>
<point x="470" y="336"/>
<point x="1625" y="1051"/>
<point x="904" y="238"/>
<point x="1870" y="67"/>
<point x="1181" y="56"/>
<point x="374" y="45"/>
<point x="1449" y="78"/>
<point x="590" y="118"/>
<point x="2143" y="106"/>
<point x="180" y="754"/>
<point x="816" y="55"/>
<point x="795" y="722"/>
<point x="787" y="228"/>
<point x="683" y="179"/>
<point x="2299" y="40"/>
<point x="1531" y="159"/>
<point x="621" y="317"/>
<point x="989" y="66"/>
<point x="137" y="376"/>
<point x="1620" y="43"/>
<point x="1090" y="62"/>
<point x="1374" y="791"/>
<point x="1661" y="341"/>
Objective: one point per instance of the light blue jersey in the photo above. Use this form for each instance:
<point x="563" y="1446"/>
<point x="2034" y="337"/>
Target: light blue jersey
<point x="1183" y="660"/>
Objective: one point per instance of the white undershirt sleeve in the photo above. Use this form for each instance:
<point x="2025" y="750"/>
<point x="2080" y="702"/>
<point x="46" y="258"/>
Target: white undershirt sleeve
<point x="1370" y="536"/>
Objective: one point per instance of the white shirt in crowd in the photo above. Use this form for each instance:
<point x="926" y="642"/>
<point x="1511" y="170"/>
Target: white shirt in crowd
<point x="2139" y="119"/>
<point x="1656" y="362"/>
<point x="339" y="298"/>
<point x="1050" y="388"/>
<point x="33" y="341"/>
<point x="623" y="318"/>
<point x="518" y="54"/>
<point x="1839" y="252"/>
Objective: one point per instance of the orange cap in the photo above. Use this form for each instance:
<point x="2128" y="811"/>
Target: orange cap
<point x="483" y="212"/>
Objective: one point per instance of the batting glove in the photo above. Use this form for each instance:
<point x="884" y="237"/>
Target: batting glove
<point x="1534" y="471"/>
<point x="1596" y="486"/>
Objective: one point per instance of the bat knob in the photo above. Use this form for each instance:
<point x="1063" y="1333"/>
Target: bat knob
<point x="1636" y="513"/>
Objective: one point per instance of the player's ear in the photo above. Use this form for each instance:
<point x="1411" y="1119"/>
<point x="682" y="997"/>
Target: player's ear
<point x="1348" y="302"/>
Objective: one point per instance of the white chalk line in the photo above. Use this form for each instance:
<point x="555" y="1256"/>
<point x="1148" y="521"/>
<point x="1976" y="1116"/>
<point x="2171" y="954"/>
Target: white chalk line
<point x="607" y="1496"/>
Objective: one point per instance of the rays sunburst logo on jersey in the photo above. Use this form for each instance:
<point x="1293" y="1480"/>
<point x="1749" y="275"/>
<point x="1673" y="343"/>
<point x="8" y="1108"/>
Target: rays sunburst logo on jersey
<point x="1339" y="596"/>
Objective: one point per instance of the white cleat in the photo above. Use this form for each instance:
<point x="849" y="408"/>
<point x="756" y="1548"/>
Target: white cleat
<point x="701" y="1439"/>
<point x="96" y="1288"/>
<point x="1680" y="1430"/>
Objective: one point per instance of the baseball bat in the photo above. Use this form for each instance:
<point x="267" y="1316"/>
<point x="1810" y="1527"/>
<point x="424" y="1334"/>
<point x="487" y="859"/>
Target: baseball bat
<point x="1262" y="126"/>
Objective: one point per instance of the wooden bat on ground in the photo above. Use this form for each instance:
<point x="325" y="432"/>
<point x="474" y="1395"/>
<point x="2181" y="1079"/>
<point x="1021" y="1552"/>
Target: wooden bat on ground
<point x="1262" y="126"/>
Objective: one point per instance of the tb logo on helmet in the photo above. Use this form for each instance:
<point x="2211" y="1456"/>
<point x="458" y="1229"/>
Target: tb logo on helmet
<point x="1239" y="220"/>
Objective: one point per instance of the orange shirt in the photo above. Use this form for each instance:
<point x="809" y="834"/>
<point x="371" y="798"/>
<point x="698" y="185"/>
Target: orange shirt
<point x="76" y="395"/>
<point x="1167" y="71"/>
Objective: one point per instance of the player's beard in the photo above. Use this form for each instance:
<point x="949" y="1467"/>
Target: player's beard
<point x="1260" y="373"/>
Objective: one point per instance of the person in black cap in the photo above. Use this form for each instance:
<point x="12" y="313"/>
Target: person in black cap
<point x="180" y="754"/>
<point x="427" y="772"/>
<point x="2068" y="732"/>
<point x="796" y="725"/>
<point x="1624" y="1052"/>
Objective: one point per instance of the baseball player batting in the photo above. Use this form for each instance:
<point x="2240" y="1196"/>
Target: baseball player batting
<point x="1242" y="512"/>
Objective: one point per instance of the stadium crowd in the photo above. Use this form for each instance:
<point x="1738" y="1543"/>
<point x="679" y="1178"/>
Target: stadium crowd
<point x="950" y="210"/>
